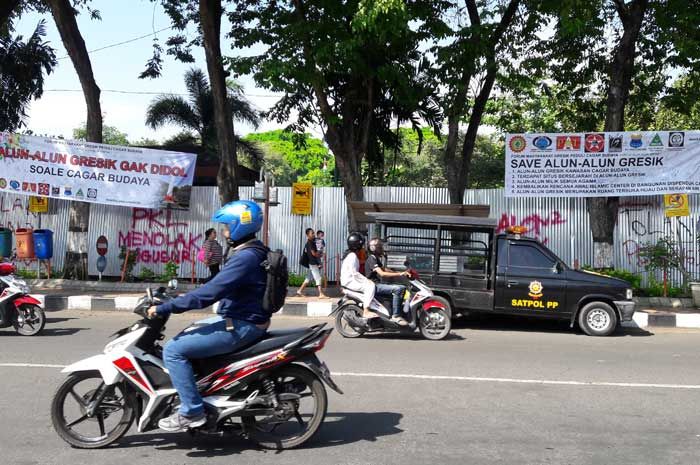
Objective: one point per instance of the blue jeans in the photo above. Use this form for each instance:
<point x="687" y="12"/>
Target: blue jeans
<point x="203" y="342"/>
<point x="396" y="292"/>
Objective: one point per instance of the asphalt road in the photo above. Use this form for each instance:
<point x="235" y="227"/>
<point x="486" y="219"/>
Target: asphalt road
<point x="498" y="391"/>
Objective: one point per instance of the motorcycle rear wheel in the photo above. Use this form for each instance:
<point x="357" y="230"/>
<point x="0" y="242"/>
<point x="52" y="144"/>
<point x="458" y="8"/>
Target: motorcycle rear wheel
<point x="125" y="402"/>
<point x="263" y="430"/>
<point x="343" y="326"/>
<point x="33" y="320"/>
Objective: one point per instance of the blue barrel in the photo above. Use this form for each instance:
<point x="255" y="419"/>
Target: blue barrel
<point x="43" y="244"/>
<point x="5" y="242"/>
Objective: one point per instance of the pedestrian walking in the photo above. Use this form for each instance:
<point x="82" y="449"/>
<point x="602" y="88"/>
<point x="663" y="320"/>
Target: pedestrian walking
<point x="213" y="253"/>
<point x="311" y="259"/>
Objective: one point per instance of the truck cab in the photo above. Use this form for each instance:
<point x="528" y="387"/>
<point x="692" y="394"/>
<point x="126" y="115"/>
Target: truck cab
<point x="477" y="270"/>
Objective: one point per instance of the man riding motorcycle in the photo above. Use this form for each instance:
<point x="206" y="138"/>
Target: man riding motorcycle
<point x="375" y="270"/>
<point x="239" y="288"/>
<point x="350" y="276"/>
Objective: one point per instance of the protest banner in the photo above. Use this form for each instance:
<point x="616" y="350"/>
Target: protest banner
<point x="97" y="173"/>
<point x="602" y="164"/>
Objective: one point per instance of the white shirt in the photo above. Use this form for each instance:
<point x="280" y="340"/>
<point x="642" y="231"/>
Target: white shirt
<point x="351" y="278"/>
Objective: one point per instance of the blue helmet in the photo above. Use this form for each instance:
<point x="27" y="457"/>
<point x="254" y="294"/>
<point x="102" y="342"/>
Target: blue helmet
<point x="243" y="217"/>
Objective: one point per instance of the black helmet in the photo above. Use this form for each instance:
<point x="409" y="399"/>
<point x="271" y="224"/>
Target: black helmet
<point x="355" y="241"/>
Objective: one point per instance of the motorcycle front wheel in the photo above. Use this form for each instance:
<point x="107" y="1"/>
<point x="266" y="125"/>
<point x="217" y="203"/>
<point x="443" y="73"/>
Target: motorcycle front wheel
<point x="29" y="320"/>
<point x="110" y="421"/>
<point x="434" y="322"/>
<point x="302" y="408"/>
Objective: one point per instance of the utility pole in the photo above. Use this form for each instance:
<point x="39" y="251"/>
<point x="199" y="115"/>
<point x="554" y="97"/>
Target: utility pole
<point x="265" y="192"/>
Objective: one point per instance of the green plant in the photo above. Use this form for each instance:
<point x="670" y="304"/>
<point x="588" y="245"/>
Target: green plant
<point x="665" y="255"/>
<point x="295" y="280"/>
<point x="146" y="274"/>
<point x="31" y="274"/>
<point x="656" y="289"/>
<point x="130" y="262"/>
<point x="171" y="271"/>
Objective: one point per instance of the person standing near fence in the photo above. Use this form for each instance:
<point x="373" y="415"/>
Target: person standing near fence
<point x="311" y="259"/>
<point x="213" y="253"/>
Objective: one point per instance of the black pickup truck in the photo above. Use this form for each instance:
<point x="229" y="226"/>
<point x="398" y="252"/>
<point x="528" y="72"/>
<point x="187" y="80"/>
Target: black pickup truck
<point x="477" y="270"/>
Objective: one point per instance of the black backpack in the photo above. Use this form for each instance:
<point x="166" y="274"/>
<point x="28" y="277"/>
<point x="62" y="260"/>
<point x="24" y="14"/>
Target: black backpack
<point x="277" y="278"/>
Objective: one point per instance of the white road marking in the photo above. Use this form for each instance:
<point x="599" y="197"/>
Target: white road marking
<point x="520" y="381"/>
<point x="454" y="378"/>
<point x="31" y="365"/>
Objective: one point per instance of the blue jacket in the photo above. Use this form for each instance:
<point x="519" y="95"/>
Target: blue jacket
<point x="239" y="287"/>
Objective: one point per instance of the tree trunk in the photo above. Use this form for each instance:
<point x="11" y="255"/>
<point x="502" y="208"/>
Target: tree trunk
<point x="348" y="163"/>
<point x="457" y="167"/>
<point x="75" y="266"/>
<point x="603" y="211"/>
<point x="210" y="12"/>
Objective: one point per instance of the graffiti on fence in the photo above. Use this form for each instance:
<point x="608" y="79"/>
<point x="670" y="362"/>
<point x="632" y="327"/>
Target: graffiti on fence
<point x="159" y="237"/>
<point x="535" y="223"/>
<point x="638" y="218"/>
<point x="12" y="206"/>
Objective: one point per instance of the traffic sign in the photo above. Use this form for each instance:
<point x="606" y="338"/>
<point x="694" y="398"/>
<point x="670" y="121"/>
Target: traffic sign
<point x="102" y="246"/>
<point x="101" y="263"/>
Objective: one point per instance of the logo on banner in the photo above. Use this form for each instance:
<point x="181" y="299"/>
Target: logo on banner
<point x="542" y="142"/>
<point x="14" y="185"/>
<point x="68" y="191"/>
<point x="656" y="141"/>
<point x="594" y="143"/>
<point x="676" y="139"/>
<point x="615" y="143"/>
<point x="636" y="140"/>
<point x="44" y="189"/>
<point x="92" y="193"/>
<point x="56" y="191"/>
<point x="3" y="183"/>
<point x="29" y="186"/>
<point x="79" y="193"/>
<point x="569" y="143"/>
<point x="517" y="144"/>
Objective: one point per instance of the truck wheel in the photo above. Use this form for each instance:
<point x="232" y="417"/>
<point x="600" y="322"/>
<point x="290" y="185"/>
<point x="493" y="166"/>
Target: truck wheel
<point x="597" y="319"/>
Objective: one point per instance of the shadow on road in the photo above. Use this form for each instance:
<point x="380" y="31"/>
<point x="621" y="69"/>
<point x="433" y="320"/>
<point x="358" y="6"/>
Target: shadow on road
<point x="541" y="325"/>
<point x="50" y="320"/>
<point x="45" y="332"/>
<point x="337" y="429"/>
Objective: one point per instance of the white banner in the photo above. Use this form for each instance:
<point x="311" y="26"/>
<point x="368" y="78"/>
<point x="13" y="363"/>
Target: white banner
<point x="602" y="164"/>
<point x="98" y="173"/>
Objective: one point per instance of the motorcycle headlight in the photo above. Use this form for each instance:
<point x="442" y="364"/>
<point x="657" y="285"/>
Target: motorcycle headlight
<point x="629" y="294"/>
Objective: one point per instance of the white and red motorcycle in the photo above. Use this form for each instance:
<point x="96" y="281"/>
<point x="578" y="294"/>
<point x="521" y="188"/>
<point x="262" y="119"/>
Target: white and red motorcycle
<point x="424" y="310"/>
<point x="17" y="308"/>
<point x="271" y="391"/>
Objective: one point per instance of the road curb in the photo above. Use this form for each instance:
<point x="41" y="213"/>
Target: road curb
<point x="322" y="309"/>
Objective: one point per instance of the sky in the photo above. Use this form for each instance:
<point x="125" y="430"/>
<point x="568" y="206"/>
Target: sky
<point x="59" y="111"/>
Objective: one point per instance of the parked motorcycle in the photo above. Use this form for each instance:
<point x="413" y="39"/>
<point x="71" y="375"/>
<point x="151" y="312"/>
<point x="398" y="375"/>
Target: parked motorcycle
<point x="271" y="391"/>
<point x="422" y="309"/>
<point x="17" y="308"/>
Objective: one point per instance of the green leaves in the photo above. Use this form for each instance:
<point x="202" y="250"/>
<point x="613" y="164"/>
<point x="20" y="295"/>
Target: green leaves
<point x="22" y="68"/>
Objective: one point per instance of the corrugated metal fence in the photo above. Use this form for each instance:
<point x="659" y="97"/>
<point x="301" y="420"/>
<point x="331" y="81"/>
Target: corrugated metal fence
<point x="561" y="223"/>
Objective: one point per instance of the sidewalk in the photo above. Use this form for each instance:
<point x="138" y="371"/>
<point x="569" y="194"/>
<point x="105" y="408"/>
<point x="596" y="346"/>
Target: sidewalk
<point x="59" y="295"/>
